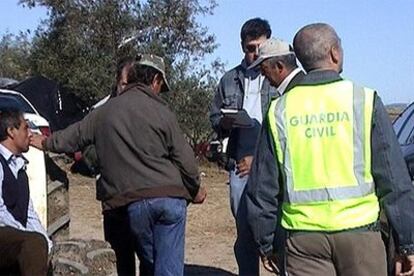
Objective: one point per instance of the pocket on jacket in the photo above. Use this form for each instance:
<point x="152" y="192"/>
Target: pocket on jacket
<point x="230" y="101"/>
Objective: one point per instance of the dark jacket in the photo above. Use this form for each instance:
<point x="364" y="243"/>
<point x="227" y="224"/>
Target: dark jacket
<point x="392" y="181"/>
<point x="295" y="81"/>
<point x="140" y="147"/>
<point x="229" y="95"/>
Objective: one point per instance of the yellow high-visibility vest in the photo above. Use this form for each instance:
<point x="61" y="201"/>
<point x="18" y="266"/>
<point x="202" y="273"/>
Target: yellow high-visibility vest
<point x="322" y="137"/>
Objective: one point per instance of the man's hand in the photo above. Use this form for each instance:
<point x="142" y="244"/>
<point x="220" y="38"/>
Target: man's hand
<point x="244" y="165"/>
<point x="270" y="263"/>
<point x="404" y="265"/>
<point x="201" y="195"/>
<point x="36" y="141"/>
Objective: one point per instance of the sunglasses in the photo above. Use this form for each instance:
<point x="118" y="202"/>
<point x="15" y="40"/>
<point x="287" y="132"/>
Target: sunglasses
<point x="251" y="48"/>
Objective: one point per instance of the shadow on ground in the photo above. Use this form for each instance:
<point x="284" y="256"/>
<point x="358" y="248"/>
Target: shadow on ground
<point x="193" y="270"/>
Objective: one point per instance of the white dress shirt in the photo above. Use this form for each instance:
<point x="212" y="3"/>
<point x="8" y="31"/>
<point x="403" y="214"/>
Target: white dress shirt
<point x="6" y="218"/>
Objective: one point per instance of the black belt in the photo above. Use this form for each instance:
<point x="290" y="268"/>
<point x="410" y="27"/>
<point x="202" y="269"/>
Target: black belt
<point x="373" y="227"/>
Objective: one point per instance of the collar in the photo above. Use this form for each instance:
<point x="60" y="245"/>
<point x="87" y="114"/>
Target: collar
<point x="145" y="89"/>
<point x="320" y="77"/>
<point x="284" y="84"/>
<point x="10" y="157"/>
<point x="6" y="153"/>
<point x="250" y="73"/>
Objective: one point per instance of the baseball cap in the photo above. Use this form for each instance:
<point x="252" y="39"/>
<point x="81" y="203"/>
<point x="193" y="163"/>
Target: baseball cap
<point x="273" y="47"/>
<point x="158" y="64"/>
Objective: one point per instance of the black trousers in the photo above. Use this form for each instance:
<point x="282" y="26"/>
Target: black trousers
<point x="117" y="233"/>
<point x="22" y="252"/>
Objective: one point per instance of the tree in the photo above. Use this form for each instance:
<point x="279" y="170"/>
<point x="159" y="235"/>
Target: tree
<point x="81" y="40"/>
<point x="78" y="44"/>
<point x="14" y="56"/>
<point x="190" y="99"/>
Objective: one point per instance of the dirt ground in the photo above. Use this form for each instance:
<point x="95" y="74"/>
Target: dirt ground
<point x="210" y="231"/>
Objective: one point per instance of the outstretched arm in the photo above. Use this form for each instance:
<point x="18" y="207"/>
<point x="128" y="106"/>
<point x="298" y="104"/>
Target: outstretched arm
<point x="71" y="139"/>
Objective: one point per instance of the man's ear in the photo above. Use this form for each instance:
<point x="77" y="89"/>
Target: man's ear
<point x="10" y="132"/>
<point x="279" y="66"/>
<point x="335" y="54"/>
<point x="160" y="79"/>
<point x="157" y="78"/>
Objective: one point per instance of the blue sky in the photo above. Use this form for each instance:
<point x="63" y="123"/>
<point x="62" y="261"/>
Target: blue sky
<point x="377" y="36"/>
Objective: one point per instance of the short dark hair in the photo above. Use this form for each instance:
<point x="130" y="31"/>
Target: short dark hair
<point x="122" y="63"/>
<point x="144" y="74"/>
<point x="120" y="66"/>
<point x="255" y="28"/>
<point x="10" y="117"/>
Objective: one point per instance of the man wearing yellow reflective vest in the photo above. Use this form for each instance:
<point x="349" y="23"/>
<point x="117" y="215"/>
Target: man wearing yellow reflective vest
<point x="327" y="161"/>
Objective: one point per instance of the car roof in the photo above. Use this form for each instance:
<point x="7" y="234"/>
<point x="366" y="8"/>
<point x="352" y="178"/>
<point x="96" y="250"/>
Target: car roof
<point x="18" y="100"/>
<point x="10" y="101"/>
<point x="17" y="94"/>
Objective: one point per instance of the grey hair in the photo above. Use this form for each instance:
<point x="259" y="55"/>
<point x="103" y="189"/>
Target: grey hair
<point x="313" y="43"/>
<point x="288" y="60"/>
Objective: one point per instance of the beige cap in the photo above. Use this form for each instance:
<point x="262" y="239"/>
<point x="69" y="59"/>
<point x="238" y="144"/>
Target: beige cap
<point x="273" y="47"/>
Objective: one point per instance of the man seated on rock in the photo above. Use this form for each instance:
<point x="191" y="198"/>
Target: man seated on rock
<point x="23" y="240"/>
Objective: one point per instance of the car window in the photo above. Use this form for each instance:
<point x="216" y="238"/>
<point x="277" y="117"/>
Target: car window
<point x="17" y="101"/>
<point x="400" y="121"/>
<point x="404" y="126"/>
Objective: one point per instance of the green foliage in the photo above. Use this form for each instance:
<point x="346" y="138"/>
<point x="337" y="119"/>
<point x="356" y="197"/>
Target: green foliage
<point x="80" y="42"/>
<point x="190" y="99"/>
<point x="77" y="44"/>
<point x="14" y="56"/>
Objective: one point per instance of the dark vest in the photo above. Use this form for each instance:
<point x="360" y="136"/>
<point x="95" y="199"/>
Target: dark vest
<point x="15" y="192"/>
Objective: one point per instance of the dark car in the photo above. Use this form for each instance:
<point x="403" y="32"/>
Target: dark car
<point x="404" y="128"/>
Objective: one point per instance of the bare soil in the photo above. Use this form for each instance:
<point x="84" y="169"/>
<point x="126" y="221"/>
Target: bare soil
<point x="210" y="231"/>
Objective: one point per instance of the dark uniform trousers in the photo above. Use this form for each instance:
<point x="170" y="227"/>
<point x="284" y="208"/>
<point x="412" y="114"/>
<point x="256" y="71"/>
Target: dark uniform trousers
<point x="117" y="233"/>
<point x="353" y="253"/>
<point x="22" y="253"/>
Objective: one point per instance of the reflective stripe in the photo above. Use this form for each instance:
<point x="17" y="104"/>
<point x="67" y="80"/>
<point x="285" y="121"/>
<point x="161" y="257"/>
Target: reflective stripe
<point x="283" y="151"/>
<point x="359" y="136"/>
<point x="330" y="194"/>
<point x="369" y="106"/>
<point x="280" y="133"/>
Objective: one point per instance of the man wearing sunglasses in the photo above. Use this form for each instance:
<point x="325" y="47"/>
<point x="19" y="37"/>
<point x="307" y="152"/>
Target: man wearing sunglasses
<point x="243" y="88"/>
